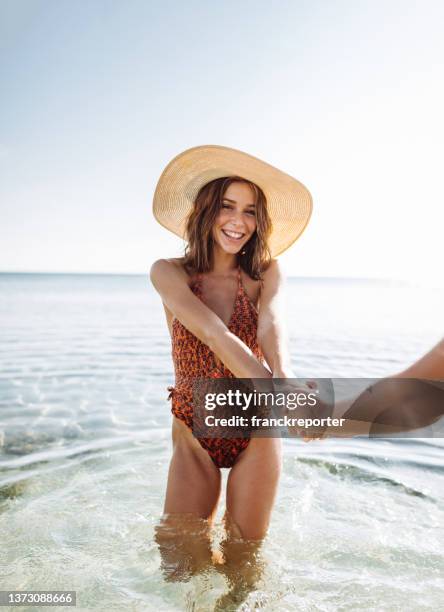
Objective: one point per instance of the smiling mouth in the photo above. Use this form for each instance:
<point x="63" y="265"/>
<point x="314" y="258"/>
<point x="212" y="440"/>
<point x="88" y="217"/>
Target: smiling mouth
<point x="233" y="235"/>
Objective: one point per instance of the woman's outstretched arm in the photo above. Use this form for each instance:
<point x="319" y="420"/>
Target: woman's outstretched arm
<point x="271" y="332"/>
<point x="170" y="281"/>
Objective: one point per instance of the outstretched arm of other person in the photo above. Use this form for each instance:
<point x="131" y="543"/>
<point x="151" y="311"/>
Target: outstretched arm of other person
<point x="394" y="405"/>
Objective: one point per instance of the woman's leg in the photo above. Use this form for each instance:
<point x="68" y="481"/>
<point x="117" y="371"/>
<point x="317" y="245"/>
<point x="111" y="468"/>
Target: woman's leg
<point x="193" y="490"/>
<point x="252" y="486"/>
<point x="251" y="491"/>
<point x="193" y="479"/>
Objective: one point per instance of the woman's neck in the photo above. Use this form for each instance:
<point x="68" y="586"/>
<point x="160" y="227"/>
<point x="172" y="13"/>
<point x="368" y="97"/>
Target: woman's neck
<point x="223" y="263"/>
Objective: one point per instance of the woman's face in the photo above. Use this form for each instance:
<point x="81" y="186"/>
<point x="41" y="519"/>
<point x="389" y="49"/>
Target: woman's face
<point x="236" y="221"/>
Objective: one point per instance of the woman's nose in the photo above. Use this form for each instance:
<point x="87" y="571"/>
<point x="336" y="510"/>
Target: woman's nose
<point x="237" y="217"/>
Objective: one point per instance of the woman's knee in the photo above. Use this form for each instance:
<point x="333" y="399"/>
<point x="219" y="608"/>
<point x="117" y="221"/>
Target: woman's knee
<point x="252" y="488"/>
<point x="241" y="551"/>
<point x="184" y="544"/>
<point x="249" y="533"/>
<point x="244" y="531"/>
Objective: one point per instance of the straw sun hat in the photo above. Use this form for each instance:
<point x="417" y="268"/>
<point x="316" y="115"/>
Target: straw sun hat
<point x="289" y="203"/>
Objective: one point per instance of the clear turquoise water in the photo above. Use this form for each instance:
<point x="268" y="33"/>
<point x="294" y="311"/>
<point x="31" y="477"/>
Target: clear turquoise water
<point x="85" y="446"/>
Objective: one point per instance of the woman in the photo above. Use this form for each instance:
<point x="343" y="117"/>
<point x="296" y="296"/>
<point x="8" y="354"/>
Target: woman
<point x="222" y="305"/>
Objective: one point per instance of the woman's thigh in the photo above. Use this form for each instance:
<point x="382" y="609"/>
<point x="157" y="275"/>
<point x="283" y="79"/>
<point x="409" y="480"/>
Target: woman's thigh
<point x="193" y="488"/>
<point x="193" y="479"/>
<point x="252" y="486"/>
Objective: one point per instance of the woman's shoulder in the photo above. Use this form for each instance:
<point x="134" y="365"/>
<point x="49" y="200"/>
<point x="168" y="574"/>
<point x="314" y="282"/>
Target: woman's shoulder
<point x="272" y="264"/>
<point x="169" y="266"/>
<point x="271" y="270"/>
<point x="268" y="280"/>
<point x="170" y="263"/>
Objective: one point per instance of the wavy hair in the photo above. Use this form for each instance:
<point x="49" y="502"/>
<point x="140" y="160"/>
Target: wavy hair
<point x="255" y="256"/>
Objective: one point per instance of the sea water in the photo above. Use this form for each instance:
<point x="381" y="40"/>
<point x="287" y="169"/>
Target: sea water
<point x="85" y="443"/>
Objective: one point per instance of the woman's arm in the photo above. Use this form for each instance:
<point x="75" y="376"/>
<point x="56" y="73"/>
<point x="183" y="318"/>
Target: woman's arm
<point x="271" y="332"/>
<point x="170" y="281"/>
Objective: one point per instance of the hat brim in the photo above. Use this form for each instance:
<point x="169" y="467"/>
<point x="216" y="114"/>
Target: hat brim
<point x="289" y="203"/>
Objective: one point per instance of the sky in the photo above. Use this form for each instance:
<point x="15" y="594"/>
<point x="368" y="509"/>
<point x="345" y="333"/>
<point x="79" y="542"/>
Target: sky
<point x="97" y="97"/>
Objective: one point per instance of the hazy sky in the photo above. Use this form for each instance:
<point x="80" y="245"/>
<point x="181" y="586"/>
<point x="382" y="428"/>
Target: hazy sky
<point x="97" y="96"/>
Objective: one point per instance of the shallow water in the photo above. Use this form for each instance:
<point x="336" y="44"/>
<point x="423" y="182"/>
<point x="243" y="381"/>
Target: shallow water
<point x="85" y="445"/>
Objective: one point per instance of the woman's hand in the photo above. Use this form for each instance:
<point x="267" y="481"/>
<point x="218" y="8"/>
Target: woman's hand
<point x="301" y="412"/>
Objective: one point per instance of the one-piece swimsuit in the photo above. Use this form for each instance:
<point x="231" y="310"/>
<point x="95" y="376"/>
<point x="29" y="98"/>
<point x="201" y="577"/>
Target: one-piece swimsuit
<point x="193" y="359"/>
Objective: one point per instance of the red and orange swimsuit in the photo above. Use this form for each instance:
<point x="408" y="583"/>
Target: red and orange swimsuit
<point x="194" y="359"/>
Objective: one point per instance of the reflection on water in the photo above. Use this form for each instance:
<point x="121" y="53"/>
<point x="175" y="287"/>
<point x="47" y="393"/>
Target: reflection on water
<point x="85" y="446"/>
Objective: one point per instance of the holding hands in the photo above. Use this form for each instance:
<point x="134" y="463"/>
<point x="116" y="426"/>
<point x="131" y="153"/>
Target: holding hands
<point x="311" y="405"/>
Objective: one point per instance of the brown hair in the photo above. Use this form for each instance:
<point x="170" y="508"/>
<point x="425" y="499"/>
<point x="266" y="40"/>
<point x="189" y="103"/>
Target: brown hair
<point x="199" y="250"/>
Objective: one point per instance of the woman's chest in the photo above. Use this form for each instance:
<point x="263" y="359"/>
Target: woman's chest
<point x="224" y="299"/>
<point x="227" y="302"/>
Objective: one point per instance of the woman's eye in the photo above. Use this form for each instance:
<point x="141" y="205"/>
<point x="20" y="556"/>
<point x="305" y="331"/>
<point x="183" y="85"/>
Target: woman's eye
<point x="230" y="207"/>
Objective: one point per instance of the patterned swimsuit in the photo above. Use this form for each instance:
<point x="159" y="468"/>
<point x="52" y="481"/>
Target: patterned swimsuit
<point x="194" y="359"/>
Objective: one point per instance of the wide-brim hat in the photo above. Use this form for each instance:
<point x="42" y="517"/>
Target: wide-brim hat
<point x="289" y="203"/>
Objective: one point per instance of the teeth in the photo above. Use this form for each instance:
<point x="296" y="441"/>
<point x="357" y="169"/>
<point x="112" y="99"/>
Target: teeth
<point x="233" y="234"/>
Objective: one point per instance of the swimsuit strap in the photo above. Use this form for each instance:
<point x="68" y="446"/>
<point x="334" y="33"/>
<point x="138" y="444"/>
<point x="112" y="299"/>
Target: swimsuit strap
<point x="240" y="284"/>
<point x="197" y="286"/>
